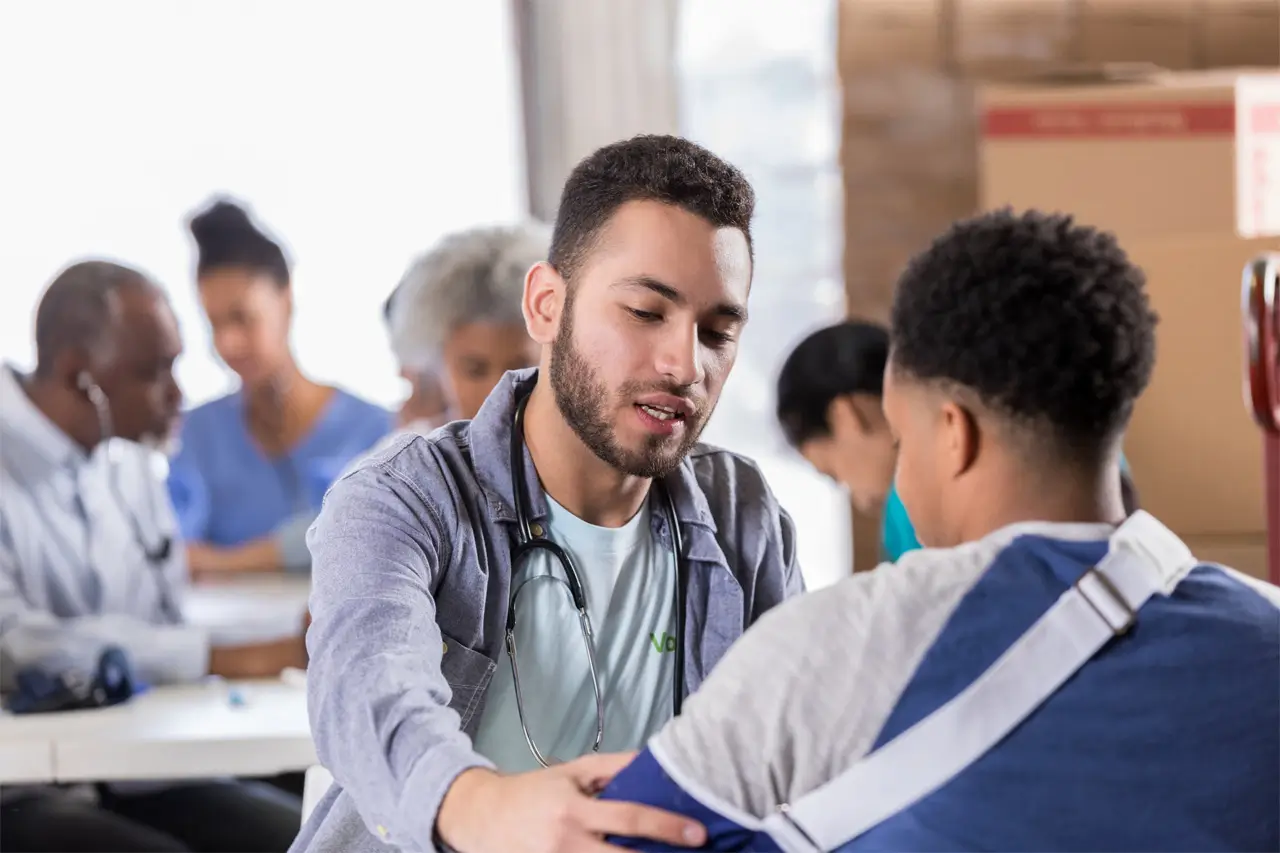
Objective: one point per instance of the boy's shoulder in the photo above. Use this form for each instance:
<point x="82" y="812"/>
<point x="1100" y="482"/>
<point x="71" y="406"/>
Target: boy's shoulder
<point x="812" y="682"/>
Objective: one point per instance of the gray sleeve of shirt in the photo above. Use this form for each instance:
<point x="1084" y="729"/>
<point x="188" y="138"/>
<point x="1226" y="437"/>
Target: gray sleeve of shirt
<point x="30" y="636"/>
<point x="378" y="701"/>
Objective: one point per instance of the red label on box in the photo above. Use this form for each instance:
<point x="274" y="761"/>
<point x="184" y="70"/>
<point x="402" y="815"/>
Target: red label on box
<point x="1138" y="121"/>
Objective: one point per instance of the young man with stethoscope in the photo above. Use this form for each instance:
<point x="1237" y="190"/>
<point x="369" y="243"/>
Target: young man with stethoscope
<point x="551" y="579"/>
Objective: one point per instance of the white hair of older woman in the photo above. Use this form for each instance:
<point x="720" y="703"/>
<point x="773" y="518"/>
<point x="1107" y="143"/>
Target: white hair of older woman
<point x="473" y="276"/>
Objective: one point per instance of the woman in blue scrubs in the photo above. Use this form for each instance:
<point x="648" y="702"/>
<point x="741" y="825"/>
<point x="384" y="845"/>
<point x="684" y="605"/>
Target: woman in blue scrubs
<point x="254" y="465"/>
<point x="829" y="406"/>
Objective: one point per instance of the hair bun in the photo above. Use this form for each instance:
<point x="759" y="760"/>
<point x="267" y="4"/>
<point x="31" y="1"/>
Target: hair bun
<point x="220" y="221"/>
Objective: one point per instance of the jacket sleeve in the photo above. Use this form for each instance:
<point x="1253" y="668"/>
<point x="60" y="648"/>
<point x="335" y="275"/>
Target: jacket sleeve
<point x="30" y="636"/>
<point x="377" y="697"/>
<point x="779" y="577"/>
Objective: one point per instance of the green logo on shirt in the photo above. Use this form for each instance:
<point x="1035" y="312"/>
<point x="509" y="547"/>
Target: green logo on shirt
<point x="664" y="643"/>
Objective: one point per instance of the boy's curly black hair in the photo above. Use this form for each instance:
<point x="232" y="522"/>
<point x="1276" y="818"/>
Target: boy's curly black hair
<point x="1046" y="321"/>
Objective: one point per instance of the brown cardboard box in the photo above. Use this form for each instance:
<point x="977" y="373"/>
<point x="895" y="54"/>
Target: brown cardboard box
<point x="1195" y="451"/>
<point x="1006" y="37"/>
<point x="1145" y="158"/>
<point x="879" y="34"/>
<point x="871" y="269"/>
<point x="1246" y="554"/>
<point x="1240" y="33"/>
<point x="909" y="152"/>
<point x="1160" y="31"/>
<point x="1185" y="168"/>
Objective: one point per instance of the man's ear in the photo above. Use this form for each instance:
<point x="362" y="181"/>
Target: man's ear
<point x="544" y="297"/>
<point x="69" y="366"/>
<point x="961" y="437"/>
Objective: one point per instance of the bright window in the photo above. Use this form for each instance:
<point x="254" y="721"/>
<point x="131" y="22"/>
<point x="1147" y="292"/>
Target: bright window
<point x="758" y="86"/>
<point x="358" y="137"/>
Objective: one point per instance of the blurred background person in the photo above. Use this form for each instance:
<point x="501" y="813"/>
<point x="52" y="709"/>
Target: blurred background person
<point x="456" y="320"/>
<point x="425" y="407"/>
<point x="90" y="560"/>
<point x="254" y="465"/>
<point x="829" y="405"/>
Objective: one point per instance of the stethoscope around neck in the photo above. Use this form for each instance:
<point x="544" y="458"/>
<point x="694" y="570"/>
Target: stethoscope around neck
<point x="528" y="544"/>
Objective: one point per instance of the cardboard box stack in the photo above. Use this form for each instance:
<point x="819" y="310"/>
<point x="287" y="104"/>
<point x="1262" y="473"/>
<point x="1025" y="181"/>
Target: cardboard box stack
<point x="909" y="68"/>
<point x="1176" y="164"/>
<point x="911" y="71"/>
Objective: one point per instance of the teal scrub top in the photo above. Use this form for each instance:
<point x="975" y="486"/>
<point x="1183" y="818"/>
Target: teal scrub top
<point x="898" y="535"/>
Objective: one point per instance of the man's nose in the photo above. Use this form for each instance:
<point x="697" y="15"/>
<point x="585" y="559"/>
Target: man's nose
<point x="680" y="356"/>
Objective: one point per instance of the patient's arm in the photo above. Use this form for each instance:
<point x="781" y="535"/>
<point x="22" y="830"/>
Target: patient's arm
<point x="645" y="781"/>
<point x="799" y="697"/>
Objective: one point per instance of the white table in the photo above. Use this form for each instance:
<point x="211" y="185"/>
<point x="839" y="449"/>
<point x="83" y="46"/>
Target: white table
<point x="24" y="762"/>
<point x="186" y="731"/>
<point x="249" y="608"/>
<point x="178" y="732"/>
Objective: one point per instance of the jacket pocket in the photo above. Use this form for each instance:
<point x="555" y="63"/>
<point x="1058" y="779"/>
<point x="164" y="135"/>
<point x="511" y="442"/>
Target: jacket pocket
<point x="468" y="674"/>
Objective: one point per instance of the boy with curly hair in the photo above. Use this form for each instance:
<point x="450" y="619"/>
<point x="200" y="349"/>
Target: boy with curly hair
<point x="1050" y="674"/>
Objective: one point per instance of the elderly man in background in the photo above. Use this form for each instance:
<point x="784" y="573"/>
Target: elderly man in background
<point x="90" y="559"/>
<point x="456" y="323"/>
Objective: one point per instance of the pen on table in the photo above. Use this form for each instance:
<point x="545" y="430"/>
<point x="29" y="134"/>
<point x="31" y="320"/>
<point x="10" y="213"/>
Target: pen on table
<point x="235" y="696"/>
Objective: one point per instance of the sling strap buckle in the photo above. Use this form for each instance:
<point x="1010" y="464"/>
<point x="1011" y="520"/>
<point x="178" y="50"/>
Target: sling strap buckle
<point x="1111" y="606"/>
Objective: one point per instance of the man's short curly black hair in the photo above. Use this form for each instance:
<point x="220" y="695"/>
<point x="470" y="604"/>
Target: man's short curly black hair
<point x="1046" y="321"/>
<point x="666" y="169"/>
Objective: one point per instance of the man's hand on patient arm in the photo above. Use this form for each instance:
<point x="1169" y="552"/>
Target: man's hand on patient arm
<point x="552" y="811"/>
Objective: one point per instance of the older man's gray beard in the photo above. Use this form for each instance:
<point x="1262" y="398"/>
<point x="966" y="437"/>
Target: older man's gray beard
<point x="583" y="402"/>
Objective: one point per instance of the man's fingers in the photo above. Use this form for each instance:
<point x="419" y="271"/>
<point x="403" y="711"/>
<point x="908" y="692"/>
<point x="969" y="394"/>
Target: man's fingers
<point x="593" y="772"/>
<point x="636" y="821"/>
<point x="593" y="844"/>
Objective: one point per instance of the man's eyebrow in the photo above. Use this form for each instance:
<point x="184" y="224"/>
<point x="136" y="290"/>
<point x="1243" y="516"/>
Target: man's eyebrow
<point x="728" y="310"/>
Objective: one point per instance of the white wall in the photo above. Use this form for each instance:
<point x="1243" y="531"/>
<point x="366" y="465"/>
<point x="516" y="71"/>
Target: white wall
<point x="358" y="134"/>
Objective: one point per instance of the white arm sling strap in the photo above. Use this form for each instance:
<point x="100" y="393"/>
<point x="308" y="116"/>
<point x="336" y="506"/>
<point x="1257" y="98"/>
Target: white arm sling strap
<point x="1144" y="559"/>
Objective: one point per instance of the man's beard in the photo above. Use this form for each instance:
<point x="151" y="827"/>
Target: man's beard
<point x="583" y="402"/>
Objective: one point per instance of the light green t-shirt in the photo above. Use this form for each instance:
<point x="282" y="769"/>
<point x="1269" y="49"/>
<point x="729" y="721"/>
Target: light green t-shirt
<point x="629" y="580"/>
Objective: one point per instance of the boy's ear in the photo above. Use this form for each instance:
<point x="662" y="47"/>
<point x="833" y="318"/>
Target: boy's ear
<point x="962" y="438"/>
